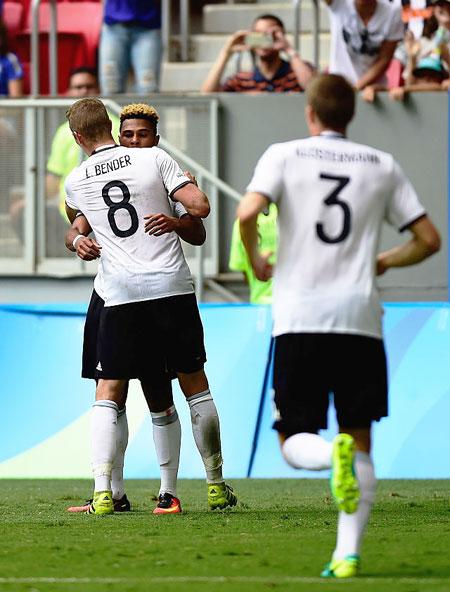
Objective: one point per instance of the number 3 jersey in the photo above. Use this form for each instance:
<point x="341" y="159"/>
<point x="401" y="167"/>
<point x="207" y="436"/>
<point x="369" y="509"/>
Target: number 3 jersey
<point x="115" y="188"/>
<point x="333" y="196"/>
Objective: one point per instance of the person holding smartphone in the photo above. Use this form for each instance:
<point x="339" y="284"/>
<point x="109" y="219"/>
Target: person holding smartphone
<point x="270" y="73"/>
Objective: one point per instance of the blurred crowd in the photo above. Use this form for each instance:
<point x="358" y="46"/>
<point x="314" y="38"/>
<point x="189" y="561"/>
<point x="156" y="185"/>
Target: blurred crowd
<point x="376" y="44"/>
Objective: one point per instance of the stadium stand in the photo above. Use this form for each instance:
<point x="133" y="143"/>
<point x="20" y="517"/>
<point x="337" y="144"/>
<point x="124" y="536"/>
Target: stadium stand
<point x="79" y="24"/>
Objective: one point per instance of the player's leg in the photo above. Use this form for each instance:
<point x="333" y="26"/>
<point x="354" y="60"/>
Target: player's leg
<point x="301" y="402"/>
<point x="90" y="361"/>
<point x="167" y="439"/>
<point x="206" y="431"/>
<point x="117" y="352"/>
<point x="110" y="397"/>
<point x="360" y="399"/>
<point x="120" y="499"/>
<point x="186" y="355"/>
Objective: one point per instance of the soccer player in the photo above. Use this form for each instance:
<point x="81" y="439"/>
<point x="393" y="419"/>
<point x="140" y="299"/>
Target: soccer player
<point x="138" y="129"/>
<point x="332" y="196"/>
<point x="150" y="317"/>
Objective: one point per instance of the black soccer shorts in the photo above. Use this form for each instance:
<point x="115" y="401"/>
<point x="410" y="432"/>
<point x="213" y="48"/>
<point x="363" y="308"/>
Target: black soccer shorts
<point x="143" y="339"/>
<point x="310" y="366"/>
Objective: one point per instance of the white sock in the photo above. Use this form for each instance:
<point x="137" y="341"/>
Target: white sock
<point x="351" y="526"/>
<point x="167" y="438"/>
<point x="307" y="451"/>
<point x="117" y="485"/>
<point x="206" y="430"/>
<point x="103" y="434"/>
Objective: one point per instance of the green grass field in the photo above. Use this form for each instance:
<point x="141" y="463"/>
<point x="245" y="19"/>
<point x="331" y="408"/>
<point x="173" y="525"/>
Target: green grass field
<point x="278" y="538"/>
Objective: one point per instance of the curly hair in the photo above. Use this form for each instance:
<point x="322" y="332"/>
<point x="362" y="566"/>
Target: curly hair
<point x="139" y="111"/>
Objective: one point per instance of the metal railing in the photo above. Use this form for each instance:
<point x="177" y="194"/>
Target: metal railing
<point x="52" y="48"/>
<point x="166" y="17"/>
<point x="316" y="28"/>
<point x="34" y="182"/>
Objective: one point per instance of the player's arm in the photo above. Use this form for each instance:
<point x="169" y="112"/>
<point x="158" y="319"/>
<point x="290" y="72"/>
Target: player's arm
<point x="425" y="242"/>
<point x="379" y="66"/>
<point x="77" y="239"/>
<point x="251" y="205"/>
<point x="193" y="199"/>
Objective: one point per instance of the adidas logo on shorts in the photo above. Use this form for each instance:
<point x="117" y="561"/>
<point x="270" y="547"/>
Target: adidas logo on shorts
<point x="99" y="367"/>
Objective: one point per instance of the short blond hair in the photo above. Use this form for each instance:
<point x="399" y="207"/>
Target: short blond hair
<point x="139" y="111"/>
<point x="89" y="118"/>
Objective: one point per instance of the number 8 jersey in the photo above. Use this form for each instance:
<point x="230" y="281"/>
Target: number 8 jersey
<point x="333" y="196"/>
<point x="115" y="188"/>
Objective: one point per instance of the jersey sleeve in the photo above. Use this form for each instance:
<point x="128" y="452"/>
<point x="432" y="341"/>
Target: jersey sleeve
<point x="171" y="173"/>
<point x="337" y="5"/>
<point x="179" y="210"/>
<point x="238" y="256"/>
<point x="403" y="207"/>
<point x="70" y="195"/>
<point x="268" y="174"/>
<point x="396" y="29"/>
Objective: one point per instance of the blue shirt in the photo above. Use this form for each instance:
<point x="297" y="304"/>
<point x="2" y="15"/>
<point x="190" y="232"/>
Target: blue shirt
<point x="140" y="13"/>
<point x="10" y="69"/>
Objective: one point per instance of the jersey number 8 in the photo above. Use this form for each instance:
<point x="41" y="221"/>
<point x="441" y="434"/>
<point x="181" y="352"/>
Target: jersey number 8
<point x="124" y="204"/>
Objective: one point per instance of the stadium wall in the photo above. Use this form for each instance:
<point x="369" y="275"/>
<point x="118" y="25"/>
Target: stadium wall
<point x="44" y="424"/>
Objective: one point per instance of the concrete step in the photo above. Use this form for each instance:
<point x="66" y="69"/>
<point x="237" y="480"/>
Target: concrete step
<point x="228" y="18"/>
<point x="205" y="48"/>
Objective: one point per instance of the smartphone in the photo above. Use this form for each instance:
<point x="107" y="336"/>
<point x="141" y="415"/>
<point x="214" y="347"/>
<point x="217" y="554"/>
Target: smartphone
<point x="258" y="40"/>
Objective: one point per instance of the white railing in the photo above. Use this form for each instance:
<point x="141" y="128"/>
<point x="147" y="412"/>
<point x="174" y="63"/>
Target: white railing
<point x="34" y="183"/>
<point x="316" y="28"/>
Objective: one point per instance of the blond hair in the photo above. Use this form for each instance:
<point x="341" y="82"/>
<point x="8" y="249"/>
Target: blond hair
<point x="333" y="100"/>
<point x="89" y="118"/>
<point x="139" y="111"/>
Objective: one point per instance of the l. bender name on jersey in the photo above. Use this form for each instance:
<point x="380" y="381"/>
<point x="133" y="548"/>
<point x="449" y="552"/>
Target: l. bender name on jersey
<point x="108" y="167"/>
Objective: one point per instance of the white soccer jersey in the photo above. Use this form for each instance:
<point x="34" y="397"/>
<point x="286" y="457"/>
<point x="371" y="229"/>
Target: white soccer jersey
<point x="355" y="47"/>
<point x="115" y="188"/>
<point x="332" y="197"/>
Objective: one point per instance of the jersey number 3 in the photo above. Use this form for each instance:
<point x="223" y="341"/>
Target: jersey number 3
<point x="124" y="204"/>
<point x="333" y="200"/>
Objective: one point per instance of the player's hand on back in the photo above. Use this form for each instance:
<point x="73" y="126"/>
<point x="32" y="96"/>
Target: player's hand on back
<point x="159" y="224"/>
<point x="87" y="249"/>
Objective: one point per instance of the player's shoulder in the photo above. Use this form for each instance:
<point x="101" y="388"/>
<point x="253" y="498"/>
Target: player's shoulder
<point x="284" y="149"/>
<point x="378" y="155"/>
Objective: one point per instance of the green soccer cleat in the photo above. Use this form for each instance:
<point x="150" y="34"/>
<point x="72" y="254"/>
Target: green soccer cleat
<point x="220" y="496"/>
<point x="342" y="568"/>
<point x="343" y="482"/>
<point x="102" y="504"/>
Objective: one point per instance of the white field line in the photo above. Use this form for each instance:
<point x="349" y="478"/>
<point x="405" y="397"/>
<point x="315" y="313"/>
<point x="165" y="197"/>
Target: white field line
<point x="223" y="580"/>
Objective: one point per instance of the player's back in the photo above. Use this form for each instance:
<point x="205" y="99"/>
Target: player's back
<point x="333" y="196"/>
<point x="115" y="188"/>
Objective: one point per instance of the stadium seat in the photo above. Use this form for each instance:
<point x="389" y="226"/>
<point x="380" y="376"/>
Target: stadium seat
<point x="394" y="74"/>
<point x="82" y="18"/>
<point x="71" y="54"/>
<point x="13" y="15"/>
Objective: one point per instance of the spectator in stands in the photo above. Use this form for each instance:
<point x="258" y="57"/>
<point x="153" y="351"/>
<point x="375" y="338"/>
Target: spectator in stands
<point x="429" y="75"/>
<point x="260" y="292"/>
<point x="271" y="73"/>
<point x="11" y="74"/>
<point x="131" y="36"/>
<point x="364" y="34"/>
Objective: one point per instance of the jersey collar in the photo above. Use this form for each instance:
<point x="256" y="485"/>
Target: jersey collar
<point x="103" y="148"/>
<point x="332" y="134"/>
